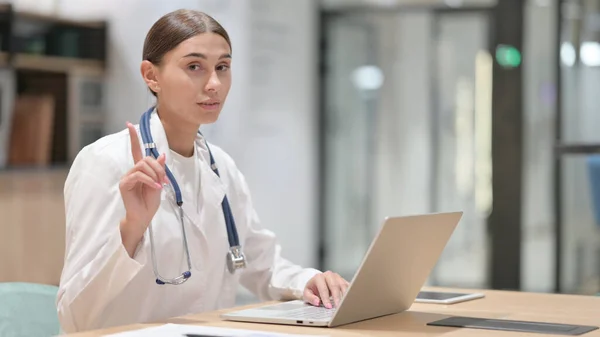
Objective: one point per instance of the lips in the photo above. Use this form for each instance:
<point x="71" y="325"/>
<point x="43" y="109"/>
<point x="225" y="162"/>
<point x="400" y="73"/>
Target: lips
<point x="210" y="104"/>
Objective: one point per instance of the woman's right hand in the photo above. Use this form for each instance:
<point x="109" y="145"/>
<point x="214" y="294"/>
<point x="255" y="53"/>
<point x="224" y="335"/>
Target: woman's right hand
<point x="140" y="190"/>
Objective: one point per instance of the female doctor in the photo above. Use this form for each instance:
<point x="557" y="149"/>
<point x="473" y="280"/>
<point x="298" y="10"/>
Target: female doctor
<point x="160" y="223"/>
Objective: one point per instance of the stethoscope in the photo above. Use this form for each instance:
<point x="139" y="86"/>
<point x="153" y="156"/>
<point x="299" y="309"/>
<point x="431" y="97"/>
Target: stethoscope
<point x="235" y="257"/>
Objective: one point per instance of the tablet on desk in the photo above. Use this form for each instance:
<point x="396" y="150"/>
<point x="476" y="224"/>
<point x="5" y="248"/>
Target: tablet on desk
<point x="438" y="297"/>
<point x="513" y="325"/>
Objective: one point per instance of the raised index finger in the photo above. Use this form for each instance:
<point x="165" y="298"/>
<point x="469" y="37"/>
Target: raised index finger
<point x="136" y="150"/>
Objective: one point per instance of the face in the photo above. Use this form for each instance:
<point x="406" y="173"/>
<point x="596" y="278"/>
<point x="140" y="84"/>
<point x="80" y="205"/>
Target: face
<point x="193" y="80"/>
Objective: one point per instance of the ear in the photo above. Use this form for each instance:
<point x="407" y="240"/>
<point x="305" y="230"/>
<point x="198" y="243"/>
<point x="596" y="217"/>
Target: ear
<point x="149" y="75"/>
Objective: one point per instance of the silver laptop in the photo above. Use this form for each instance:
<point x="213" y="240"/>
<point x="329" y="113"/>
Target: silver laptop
<point x="392" y="273"/>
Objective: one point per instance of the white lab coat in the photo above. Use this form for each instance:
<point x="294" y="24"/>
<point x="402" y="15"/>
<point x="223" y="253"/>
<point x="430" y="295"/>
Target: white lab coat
<point x="102" y="286"/>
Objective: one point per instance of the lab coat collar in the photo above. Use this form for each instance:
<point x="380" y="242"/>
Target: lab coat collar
<point x="212" y="189"/>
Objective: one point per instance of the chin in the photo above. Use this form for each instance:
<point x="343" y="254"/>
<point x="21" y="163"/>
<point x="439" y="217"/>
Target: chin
<point x="210" y="120"/>
<point x="208" y="117"/>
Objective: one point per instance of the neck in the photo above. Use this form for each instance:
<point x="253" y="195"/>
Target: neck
<point x="181" y="136"/>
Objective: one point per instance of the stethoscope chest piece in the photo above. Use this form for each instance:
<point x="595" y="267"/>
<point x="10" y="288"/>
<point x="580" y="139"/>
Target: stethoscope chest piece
<point x="235" y="259"/>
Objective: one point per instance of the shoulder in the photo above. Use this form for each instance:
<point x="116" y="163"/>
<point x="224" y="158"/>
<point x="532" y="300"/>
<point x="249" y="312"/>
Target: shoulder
<point x="106" y="157"/>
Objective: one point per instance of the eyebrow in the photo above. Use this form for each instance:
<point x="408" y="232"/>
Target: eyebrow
<point x="202" y="56"/>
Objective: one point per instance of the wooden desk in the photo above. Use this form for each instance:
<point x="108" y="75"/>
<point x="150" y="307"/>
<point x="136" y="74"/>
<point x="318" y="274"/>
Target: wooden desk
<point x="568" y="309"/>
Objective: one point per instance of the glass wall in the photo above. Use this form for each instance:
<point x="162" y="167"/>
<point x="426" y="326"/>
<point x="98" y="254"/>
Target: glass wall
<point x="539" y="109"/>
<point x="349" y="147"/>
<point x="463" y="132"/>
<point x="408" y="109"/>
<point x="580" y="62"/>
<point x="408" y="99"/>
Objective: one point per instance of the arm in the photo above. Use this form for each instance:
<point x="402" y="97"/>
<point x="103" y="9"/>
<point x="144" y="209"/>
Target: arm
<point x="97" y="266"/>
<point x="268" y="275"/>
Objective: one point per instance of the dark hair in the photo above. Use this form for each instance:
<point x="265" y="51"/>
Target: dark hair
<point x="175" y="27"/>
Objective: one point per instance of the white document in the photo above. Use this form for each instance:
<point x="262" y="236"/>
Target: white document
<point x="179" y="330"/>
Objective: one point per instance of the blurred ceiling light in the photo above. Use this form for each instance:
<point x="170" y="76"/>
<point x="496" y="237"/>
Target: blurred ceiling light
<point x="567" y="54"/>
<point x="368" y="78"/>
<point x="590" y="53"/>
<point x="453" y="3"/>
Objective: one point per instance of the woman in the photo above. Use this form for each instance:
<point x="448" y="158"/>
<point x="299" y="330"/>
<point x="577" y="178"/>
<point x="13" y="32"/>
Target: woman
<point x="126" y="259"/>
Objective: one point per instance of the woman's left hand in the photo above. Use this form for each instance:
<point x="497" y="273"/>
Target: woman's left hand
<point x="323" y="287"/>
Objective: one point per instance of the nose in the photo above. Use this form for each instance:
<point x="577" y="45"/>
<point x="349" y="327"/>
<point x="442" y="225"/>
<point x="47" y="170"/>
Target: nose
<point x="213" y="83"/>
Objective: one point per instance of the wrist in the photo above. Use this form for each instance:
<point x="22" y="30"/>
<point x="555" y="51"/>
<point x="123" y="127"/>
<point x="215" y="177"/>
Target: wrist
<point x="130" y="236"/>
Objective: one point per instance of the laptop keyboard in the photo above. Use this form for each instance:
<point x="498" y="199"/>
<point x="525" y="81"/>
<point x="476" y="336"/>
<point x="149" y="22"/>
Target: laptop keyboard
<point x="318" y="313"/>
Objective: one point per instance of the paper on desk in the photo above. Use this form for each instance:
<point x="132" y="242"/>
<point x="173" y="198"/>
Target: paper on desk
<point x="180" y="330"/>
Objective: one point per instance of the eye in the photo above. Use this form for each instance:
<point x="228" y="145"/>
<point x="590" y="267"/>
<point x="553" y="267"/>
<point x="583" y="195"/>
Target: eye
<point x="222" y="67"/>
<point x="194" y="67"/>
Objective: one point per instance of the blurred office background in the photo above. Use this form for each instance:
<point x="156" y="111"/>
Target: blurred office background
<point x="342" y="112"/>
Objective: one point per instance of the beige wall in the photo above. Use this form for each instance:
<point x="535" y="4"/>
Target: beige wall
<point x="32" y="226"/>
